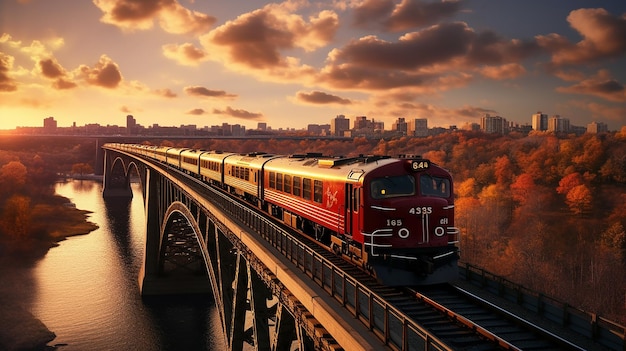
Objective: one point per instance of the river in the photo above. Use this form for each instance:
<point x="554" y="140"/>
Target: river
<point x="86" y="289"/>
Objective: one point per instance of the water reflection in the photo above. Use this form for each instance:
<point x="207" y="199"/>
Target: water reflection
<point x="86" y="289"/>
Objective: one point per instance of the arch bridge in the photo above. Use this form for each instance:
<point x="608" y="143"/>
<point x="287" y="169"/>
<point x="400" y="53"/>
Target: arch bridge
<point x="272" y="291"/>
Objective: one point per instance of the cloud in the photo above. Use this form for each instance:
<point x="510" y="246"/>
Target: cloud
<point x="186" y="54"/>
<point x="204" y="92"/>
<point x="140" y="15"/>
<point x="406" y="15"/>
<point x="51" y="69"/>
<point x="319" y="97"/>
<point x="603" y="37"/>
<point x="165" y="93"/>
<point x="243" y="114"/>
<point x="105" y="73"/>
<point x="434" y="59"/>
<point x="601" y="85"/>
<point x="255" y="40"/>
<point x="601" y="111"/>
<point x="196" y="112"/>
<point x="7" y="83"/>
<point x="506" y="71"/>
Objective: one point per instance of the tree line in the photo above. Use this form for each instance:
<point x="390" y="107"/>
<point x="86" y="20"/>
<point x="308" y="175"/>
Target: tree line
<point x="546" y="211"/>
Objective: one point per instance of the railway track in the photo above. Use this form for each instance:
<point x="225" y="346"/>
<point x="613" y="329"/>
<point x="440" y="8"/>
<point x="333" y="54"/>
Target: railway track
<point x="462" y="320"/>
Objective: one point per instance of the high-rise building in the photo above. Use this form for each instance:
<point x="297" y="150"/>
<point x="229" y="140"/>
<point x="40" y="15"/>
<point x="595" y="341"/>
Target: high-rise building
<point x="261" y="126"/>
<point x="361" y="122"/>
<point x="418" y="127"/>
<point x="558" y="124"/>
<point x="339" y="125"/>
<point x="400" y="126"/>
<point x="49" y="125"/>
<point x="597" y="127"/>
<point x="540" y="121"/>
<point x="131" y="124"/>
<point x="493" y="124"/>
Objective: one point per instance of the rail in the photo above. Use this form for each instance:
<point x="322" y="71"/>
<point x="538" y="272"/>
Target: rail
<point x="591" y="325"/>
<point x="388" y="323"/>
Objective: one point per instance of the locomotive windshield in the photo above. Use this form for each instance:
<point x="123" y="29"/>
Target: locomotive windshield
<point x="434" y="186"/>
<point x="383" y="188"/>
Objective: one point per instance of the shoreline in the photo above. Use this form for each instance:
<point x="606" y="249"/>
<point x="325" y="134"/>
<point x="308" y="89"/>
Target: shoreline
<point x="19" y="328"/>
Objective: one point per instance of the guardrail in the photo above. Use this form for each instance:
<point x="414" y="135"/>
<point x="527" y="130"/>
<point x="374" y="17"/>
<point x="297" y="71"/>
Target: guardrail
<point x="601" y="330"/>
<point x="388" y="323"/>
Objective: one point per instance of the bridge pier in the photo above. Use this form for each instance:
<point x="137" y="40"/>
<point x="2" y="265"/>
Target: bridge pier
<point x="116" y="182"/>
<point x="179" y="272"/>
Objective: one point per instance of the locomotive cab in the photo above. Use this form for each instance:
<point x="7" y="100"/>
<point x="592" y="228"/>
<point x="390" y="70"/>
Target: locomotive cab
<point x="409" y="231"/>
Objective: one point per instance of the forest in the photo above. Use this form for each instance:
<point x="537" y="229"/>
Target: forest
<point x="32" y="217"/>
<point x="543" y="210"/>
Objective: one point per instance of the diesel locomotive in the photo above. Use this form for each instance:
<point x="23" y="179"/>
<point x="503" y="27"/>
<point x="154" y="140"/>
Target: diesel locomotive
<point x="391" y="216"/>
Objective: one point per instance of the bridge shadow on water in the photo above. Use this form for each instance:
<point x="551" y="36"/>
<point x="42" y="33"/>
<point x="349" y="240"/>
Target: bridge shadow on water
<point x="181" y="321"/>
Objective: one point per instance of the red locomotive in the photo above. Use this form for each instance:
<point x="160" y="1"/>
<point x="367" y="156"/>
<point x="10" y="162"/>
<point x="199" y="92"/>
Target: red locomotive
<point x="392" y="216"/>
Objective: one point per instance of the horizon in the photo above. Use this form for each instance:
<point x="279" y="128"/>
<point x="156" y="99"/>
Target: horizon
<point x="296" y="62"/>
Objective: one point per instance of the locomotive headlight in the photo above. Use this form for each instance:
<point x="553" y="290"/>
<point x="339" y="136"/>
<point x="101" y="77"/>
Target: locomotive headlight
<point x="403" y="233"/>
<point x="440" y="231"/>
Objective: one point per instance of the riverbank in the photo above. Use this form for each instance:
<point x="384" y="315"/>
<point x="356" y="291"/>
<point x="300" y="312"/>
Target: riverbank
<point x="20" y="329"/>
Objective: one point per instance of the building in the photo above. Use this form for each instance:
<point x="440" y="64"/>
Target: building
<point x="261" y="126"/>
<point x="558" y="124"/>
<point x="597" y="127"/>
<point x="400" y="126"/>
<point x="493" y="124"/>
<point x="49" y="125"/>
<point x="539" y="121"/>
<point x="418" y="127"/>
<point x="339" y="125"/>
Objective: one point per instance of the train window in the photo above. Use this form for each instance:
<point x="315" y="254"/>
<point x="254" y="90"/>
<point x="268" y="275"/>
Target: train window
<point x="434" y="186"/>
<point x="306" y="188"/>
<point x="318" y="193"/>
<point x="272" y="180"/>
<point x="382" y="188"/>
<point x="296" y="185"/>
<point x="287" y="184"/>
<point x="246" y="174"/>
<point x="279" y="181"/>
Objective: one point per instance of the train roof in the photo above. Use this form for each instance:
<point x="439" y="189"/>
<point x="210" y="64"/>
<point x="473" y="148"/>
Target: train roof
<point x="317" y="165"/>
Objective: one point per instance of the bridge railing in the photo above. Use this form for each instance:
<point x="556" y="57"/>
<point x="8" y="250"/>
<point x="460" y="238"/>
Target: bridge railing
<point x="602" y="330"/>
<point x="386" y="321"/>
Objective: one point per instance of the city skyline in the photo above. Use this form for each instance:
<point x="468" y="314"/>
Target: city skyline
<point x="294" y="63"/>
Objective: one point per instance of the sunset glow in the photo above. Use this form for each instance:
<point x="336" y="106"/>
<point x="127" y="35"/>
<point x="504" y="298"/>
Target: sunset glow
<point x="299" y="62"/>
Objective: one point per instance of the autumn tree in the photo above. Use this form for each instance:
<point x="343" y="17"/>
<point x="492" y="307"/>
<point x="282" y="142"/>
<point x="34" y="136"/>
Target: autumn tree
<point x="579" y="199"/>
<point x="82" y="169"/>
<point x="569" y="182"/>
<point x="12" y="177"/>
<point x="16" y="217"/>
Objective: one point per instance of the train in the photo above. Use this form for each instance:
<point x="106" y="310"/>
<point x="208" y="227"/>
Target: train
<point x="391" y="216"/>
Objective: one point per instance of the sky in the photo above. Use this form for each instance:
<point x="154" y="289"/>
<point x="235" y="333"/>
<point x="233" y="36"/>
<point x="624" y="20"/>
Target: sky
<point x="294" y="63"/>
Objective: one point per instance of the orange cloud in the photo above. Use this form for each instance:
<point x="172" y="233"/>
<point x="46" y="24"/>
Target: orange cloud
<point x="507" y="71"/>
<point x="243" y="114"/>
<point x="6" y="82"/>
<point x="140" y="15"/>
<point x="196" y="112"/>
<point x="204" y="92"/>
<point x="165" y="93"/>
<point x="255" y="40"/>
<point x="105" y="73"/>
<point x="403" y="16"/>
<point x="185" y="54"/>
<point x="603" y="37"/>
<point x="319" y="97"/>
<point x="601" y="85"/>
